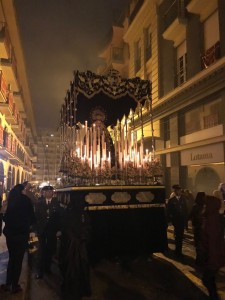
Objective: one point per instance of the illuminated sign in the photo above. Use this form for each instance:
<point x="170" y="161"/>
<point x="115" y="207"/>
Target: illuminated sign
<point x="203" y="155"/>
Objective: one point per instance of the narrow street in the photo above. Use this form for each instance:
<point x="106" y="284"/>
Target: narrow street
<point x="159" y="277"/>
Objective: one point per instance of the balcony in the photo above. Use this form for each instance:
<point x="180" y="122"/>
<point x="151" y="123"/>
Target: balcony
<point x="199" y="7"/>
<point x="18" y="98"/>
<point x="175" y="22"/>
<point x="9" y="68"/>
<point x="211" y="121"/>
<point x="3" y="88"/>
<point x="8" y="107"/>
<point x="211" y="55"/>
<point x="14" y="118"/>
<point x="5" y="44"/>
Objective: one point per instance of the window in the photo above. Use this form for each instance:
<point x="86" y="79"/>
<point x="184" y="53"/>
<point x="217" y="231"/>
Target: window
<point x="148" y="44"/>
<point x="181" y="63"/>
<point x="193" y="120"/>
<point x="137" y="56"/>
<point x="117" y="54"/>
<point x="166" y="125"/>
<point x="211" y="40"/>
<point x="212" y="112"/>
<point x="203" y="117"/>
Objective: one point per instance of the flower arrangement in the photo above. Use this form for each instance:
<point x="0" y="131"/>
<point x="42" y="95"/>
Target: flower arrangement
<point x="80" y="172"/>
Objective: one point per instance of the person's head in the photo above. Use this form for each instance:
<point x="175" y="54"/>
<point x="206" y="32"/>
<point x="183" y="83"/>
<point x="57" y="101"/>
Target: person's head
<point x="177" y="189"/>
<point x="26" y="185"/>
<point x="200" y="198"/>
<point x="48" y="191"/>
<point x="221" y="188"/>
<point x="15" y="194"/>
<point x="213" y="205"/>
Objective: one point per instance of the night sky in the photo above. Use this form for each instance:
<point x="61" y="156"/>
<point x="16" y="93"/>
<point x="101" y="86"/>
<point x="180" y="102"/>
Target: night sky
<point x="58" y="37"/>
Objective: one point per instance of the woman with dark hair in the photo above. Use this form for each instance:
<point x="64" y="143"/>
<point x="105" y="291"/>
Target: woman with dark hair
<point x="18" y="218"/>
<point x="196" y="217"/>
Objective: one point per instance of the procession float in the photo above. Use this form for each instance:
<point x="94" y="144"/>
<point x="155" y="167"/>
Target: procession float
<point x="107" y="167"/>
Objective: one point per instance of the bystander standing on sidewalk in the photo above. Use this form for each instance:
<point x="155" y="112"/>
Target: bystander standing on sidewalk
<point x="197" y="217"/>
<point x="213" y="245"/>
<point x="48" y="216"/>
<point x="177" y="214"/>
<point x="18" y="218"/>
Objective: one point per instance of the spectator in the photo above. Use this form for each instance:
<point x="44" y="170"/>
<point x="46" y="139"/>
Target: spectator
<point x="213" y="245"/>
<point x="190" y="201"/>
<point x="29" y="193"/>
<point x="196" y="217"/>
<point x="48" y="216"/>
<point x="220" y="193"/>
<point x="18" y="218"/>
<point x="177" y="214"/>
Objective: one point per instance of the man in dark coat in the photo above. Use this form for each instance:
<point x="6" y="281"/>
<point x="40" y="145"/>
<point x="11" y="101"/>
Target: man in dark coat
<point x="48" y="216"/>
<point x="178" y="214"/>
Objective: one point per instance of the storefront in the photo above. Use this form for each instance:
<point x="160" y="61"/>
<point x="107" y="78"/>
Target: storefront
<point x="204" y="167"/>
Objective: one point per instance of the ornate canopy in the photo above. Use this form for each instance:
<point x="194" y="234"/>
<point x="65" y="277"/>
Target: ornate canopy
<point x="115" y="95"/>
<point x="112" y="85"/>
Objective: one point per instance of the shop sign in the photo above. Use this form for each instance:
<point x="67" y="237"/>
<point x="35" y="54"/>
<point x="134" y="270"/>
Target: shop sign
<point x="203" y="155"/>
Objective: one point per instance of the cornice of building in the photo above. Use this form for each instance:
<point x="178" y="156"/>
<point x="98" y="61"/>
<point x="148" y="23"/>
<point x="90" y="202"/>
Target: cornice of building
<point x="205" y="142"/>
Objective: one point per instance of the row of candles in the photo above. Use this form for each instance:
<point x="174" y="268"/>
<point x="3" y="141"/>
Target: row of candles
<point x="89" y="144"/>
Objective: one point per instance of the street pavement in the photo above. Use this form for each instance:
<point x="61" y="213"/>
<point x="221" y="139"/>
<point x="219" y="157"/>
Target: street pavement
<point x="49" y="288"/>
<point x="24" y="278"/>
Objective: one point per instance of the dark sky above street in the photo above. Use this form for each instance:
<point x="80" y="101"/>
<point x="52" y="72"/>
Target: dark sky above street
<point x="58" y="37"/>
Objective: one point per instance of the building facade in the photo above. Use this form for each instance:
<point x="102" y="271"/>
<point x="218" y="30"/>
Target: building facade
<point x="180" y="46"/>
<point x="48" y="158"/>
<point x="191" y="38"/>
<point x="17" y="123"/>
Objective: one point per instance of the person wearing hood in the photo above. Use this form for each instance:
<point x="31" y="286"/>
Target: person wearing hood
<point x="19" y="217"/>
<point x="196" y="217"/>
<point x="220" y="193"/>
<point x="213" y="244"/>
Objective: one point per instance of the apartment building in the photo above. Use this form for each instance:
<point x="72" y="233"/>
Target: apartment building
<point x="48" y="158"/>
<point x="17" y="123"/>
<point x="180" y="46"/>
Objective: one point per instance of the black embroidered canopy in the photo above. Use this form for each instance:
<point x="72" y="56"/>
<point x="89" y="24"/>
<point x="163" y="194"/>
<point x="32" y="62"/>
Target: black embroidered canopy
<point x="109" y="93"/>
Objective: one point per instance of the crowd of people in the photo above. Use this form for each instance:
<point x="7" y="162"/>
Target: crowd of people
<point x="26" y="212"/>
<point x="206" y="213"/>
<point x="42" y="213"/>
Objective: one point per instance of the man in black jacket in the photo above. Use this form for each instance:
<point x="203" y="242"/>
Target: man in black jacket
<point x="178" y="214"/>
<point x="48" y="215"/>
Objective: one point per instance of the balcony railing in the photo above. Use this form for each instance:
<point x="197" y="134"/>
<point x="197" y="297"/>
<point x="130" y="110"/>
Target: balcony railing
<point x="211" y="120"/>
<point x="211" y="55"/>
<point x="3" y="86"/>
